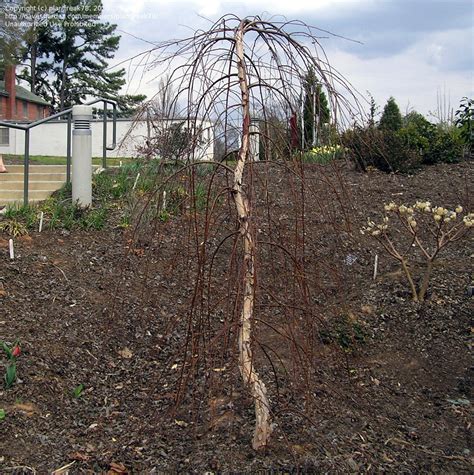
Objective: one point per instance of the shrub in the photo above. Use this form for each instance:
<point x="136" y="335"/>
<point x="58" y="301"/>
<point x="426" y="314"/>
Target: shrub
<point x="464" y="122"/>
<point x="426" y="227"/>
<point x="383" y="149"/>
<point x="445" y="147"/>
<point x="417" y="132"/>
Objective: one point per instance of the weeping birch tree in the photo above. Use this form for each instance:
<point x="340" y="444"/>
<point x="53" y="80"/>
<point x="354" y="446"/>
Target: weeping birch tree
<point x="233" y="75"/>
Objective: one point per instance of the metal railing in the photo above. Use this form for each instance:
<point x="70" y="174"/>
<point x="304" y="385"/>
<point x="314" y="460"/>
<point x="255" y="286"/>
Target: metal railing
<point x="68" y="112"/>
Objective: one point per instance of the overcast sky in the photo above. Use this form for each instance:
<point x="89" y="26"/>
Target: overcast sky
<point x="411" y="49"/>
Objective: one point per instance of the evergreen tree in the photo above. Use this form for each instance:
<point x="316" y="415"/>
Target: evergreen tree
<point x="10" y="36"/>
<point x="391" y="117"/>
<point x="315" y="108"/>
<point x="71" y="57"/>
<point x="372" y="111"/>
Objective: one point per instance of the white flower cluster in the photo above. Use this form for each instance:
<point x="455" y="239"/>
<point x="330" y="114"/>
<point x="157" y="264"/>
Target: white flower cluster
<point x="375" y="229"/>
<point x="468" y="220"/>
<point x="423" y="206"/>
<point x="444" y="215"/>
<point x="440" y="214"/>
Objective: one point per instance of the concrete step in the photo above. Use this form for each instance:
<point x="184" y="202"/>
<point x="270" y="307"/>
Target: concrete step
<point x="6" y="177"/>
<point x="43" y="181"/>
<point x="8" y="196"/>
<point x="52" y="185"/>
<point x="37" y="169"/>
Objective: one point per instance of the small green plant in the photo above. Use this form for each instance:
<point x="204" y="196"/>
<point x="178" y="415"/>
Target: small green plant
<point x="2" y="414"/>
<point x="200" y="194"/>
<point x="346" y="331"/>
<point x="125" y="221"/>
<point x="419" y="223"/>
<point x="164" y="216"/>
<point x="13" y="227"/>
<point x="12" y="352"/>
<point x="77" y="391"/>
<point x="21" y="211"/>
<point x="95" y="219"/>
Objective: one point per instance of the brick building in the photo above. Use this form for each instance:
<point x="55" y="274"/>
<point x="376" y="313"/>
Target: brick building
<point x="17" y="103"/>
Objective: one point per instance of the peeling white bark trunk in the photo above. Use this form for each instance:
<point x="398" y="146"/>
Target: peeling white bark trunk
<point x="263" y="427"/>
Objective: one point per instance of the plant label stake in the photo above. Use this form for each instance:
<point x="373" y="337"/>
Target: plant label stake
<point x="163" y="206"/>
<point x="12" y="251"/>
<point x="40" y="228"/>
<point x="136" y="181"/>
<point x="376" y="265"/>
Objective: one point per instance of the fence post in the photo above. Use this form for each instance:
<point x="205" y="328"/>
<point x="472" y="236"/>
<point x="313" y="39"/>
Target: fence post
<point x="82" y="155"/>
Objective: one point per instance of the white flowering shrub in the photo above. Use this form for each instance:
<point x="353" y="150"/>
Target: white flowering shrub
<point x="428" y="228"/>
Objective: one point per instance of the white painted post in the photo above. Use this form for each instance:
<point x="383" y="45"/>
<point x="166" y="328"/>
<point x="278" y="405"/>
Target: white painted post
<point x="254" y="149"/>
<point x="82" y="155"/>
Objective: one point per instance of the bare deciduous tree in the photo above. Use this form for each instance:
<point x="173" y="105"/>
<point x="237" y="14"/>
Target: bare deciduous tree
<point x="239" y="70"/>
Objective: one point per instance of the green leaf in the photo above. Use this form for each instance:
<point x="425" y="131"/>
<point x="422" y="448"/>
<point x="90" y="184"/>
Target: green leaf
<point x="2" y="414"/>
<point x="10" y="375"/>
<point x="7" y="350"/>
<point x="77" y="391"/>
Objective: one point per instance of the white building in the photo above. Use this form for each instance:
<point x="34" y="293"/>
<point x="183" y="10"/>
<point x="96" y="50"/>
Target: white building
<point x="50" y="138"/>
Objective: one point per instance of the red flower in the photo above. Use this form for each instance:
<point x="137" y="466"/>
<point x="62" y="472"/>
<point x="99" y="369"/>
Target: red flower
<point x="16" y="352"/>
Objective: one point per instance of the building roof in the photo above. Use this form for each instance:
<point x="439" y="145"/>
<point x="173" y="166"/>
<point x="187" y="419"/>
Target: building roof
<point x="24" y="94"/>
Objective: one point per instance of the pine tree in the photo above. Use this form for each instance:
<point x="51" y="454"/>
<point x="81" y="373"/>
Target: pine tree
<point x="72" y="54"/>
<point x="391" y="117"/>
<point x="318" y="111"/>
<point x="10" y="37"/>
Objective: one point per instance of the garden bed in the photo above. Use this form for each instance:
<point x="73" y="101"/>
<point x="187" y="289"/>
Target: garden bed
<point x="106" y="310"/>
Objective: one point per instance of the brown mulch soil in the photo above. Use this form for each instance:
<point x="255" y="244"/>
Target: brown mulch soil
<point x="390" y="384"/>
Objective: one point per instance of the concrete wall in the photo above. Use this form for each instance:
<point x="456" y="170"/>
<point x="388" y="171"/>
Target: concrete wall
<point x="50" y="139"/>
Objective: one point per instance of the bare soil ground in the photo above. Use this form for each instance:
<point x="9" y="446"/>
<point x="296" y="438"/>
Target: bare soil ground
<point x="390" y="383"/>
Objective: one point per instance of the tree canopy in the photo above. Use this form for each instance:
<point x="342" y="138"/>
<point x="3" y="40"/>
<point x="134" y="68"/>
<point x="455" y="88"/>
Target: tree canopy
<point x="66" y="56"/>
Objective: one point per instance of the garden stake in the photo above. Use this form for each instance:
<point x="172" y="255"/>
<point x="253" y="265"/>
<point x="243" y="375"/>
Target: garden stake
<point x="136" y="181"/>
<point x="40" y="228"/>
<point x="12" y="252"/>
<point x="163" y="206"/>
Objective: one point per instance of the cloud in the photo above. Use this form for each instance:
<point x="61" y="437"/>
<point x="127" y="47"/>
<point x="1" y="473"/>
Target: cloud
<point x="410" y="48"/>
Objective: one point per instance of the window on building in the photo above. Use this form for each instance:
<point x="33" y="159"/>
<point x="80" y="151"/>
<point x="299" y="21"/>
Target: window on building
<point x="25" y="109"/>
<point x="4" y="136"/>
